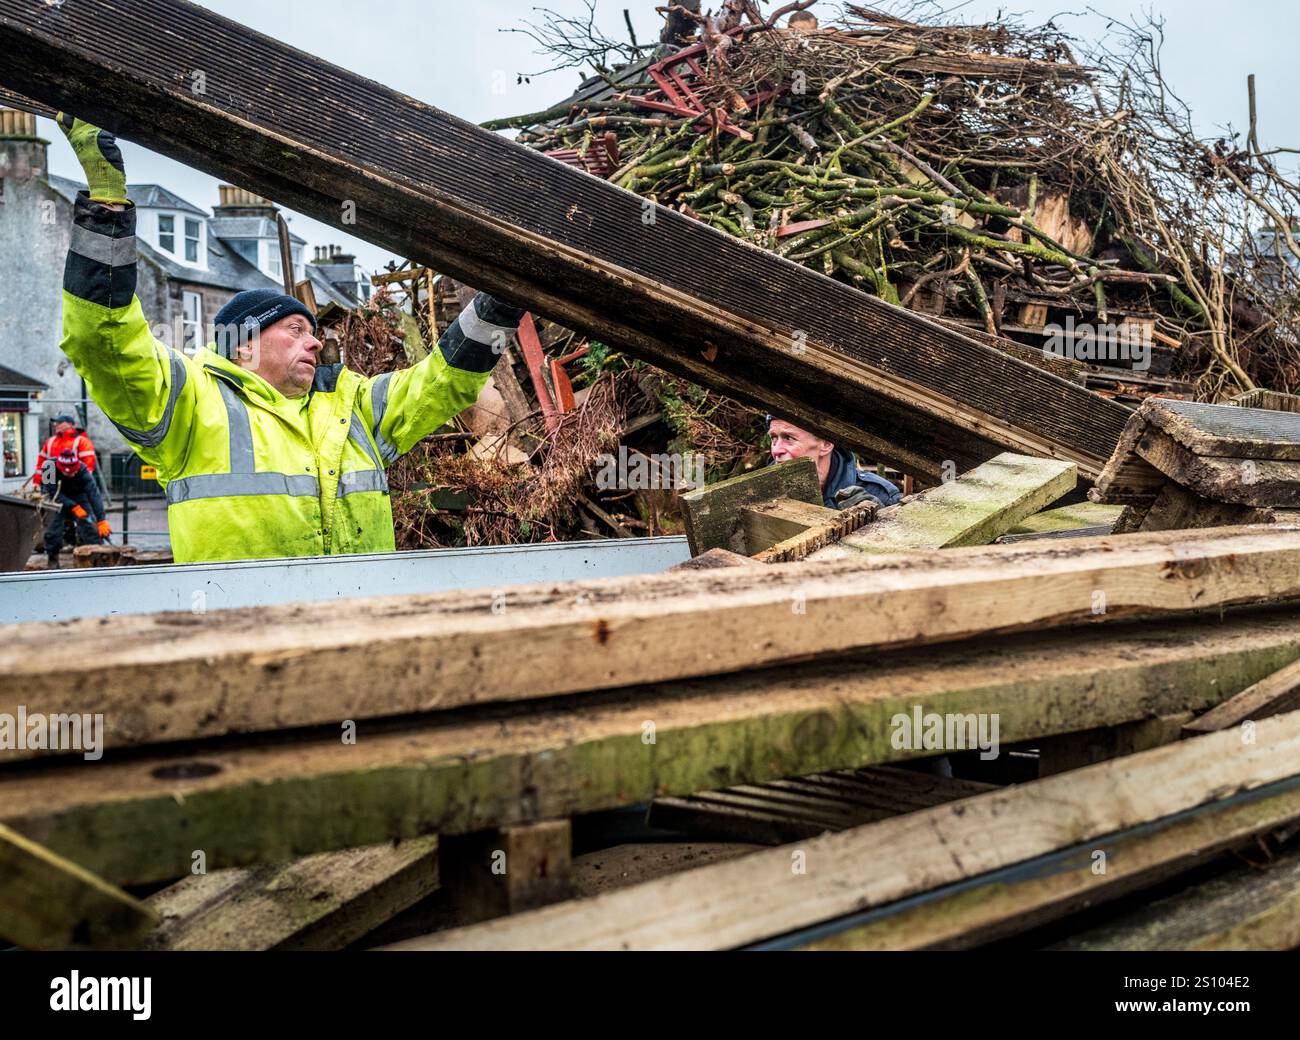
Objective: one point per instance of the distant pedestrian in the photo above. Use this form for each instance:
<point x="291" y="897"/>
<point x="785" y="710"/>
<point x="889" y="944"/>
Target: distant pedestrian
<point x="75" y="490"/>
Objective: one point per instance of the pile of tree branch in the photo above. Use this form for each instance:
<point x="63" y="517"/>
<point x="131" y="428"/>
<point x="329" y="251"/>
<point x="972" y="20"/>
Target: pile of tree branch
<point x="981" y="172"/>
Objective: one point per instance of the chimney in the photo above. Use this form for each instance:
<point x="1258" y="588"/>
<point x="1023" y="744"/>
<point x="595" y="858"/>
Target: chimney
<point x="332" y="255"/>
<point x="22" y="153"/>
<point x="240" y="202"/>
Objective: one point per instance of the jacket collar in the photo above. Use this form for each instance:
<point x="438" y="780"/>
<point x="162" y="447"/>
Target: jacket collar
<point x="240" y="378"/>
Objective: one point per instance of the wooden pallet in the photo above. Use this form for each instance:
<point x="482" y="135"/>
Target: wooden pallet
<point x="781" y="811"/>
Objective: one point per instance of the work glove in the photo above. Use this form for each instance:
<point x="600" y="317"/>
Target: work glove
<point x="855" y="495"/>
<point x="103" y="529"/>
<point x="79" y="512"/>
<point x="100" y="158"/>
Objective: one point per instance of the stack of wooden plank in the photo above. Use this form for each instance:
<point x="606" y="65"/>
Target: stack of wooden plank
<point x="259" y="737"/>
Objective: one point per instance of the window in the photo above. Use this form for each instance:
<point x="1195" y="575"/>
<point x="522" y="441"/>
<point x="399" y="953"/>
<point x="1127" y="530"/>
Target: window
<point x="11" y="437"/>
<point x="192" y="321"/>
<point x="193" y="233"/>
<point x="167" y="233"/>
<point x="298" y="273"/>
<point x="273" y="267"/>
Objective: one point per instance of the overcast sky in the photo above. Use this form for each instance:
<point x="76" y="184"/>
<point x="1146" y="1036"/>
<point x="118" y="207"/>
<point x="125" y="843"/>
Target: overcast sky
<point x="455" y="56"/>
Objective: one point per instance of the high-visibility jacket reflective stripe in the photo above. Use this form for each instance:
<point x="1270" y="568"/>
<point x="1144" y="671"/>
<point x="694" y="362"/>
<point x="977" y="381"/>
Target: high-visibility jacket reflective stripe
<point x="248" y="472"/>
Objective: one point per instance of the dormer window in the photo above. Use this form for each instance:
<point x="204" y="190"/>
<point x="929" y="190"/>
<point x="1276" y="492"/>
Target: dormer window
<point x="193" y="236"/>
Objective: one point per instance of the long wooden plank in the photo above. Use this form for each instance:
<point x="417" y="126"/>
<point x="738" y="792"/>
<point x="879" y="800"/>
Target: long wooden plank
<point x="165" y="677"/>
<point x="1272" y="695"/>
<point x="577" y="249"/>
<point x="49" y="903"/>
<point x="781" y="890"/>
<point x="972" y="509"/>
<point x="1017" y="899"/>
<point x="320" y="902"/>
<point x="1246" y="908"/>
<point x="140" y="819"/>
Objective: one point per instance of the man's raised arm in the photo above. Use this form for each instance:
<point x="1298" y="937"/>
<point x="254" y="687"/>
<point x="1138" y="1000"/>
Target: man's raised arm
<point x="138" y="382"/>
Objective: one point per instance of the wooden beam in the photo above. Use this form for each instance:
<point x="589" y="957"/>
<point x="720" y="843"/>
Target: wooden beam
<point x="320" y="902"/>
<point x="152" y="676"/>
<point x="1246" y="908"/>
<point x="50" y="903"/>
<point x="972" y="509"/>
<point x="461" y="200"/>
<point x="1177" y="508"/>
<point x="714" y="514"/>
<point x="823" y="527"/>
<point x="1272" y="695"/>
<point x="767" y="523"/>
<point x="792" y="887"/>
<point x="492" y="873"/>
<point x="141" y="818"/>
<point x="1025" y="896"/>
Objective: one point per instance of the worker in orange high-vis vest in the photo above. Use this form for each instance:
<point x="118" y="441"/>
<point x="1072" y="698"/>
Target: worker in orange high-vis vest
<point x="66" y="437"/>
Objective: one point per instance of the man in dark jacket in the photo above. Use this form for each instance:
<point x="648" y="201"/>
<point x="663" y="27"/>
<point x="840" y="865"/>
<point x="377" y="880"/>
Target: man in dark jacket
<point x="74" y="488"/>
<point x="843" y="482"/>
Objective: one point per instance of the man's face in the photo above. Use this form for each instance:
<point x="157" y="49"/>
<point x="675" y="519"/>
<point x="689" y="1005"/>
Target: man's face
<point x="790" y="442"/>
<point x="64" y="429"/>
<point x="285" y="355"/>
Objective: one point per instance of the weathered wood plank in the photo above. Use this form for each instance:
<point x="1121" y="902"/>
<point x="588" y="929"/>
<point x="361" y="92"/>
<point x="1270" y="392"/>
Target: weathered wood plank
<point x="492" y="873"/>
<point x="1069" y="518"/>
<point x="1226" y="430"/>
<point x="767" y="523"/>
<point x="50" y="903"/>
<point x="1246" y="908"/>
<point x="141" y="818"/>
<point x="320" y="902"/>
<point x="792" y="887"/>
<point x="1249" y="482"/>
<point x="1272" y="695"/>
<point x="1176" y="508"/>
<point x="1012" y="901"/>
<point x="824" y="527"/>
<point x="973" y="509"/>
<point x="164" y="677"/>
<point x="577" y="249"/>
<point x="714" y="514"/>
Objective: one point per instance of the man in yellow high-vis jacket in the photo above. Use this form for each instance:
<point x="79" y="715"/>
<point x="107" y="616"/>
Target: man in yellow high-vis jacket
<point x="262" y="451"/>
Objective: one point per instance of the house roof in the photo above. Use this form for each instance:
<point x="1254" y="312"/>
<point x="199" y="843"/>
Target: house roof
<point x="226" y="268"/>
<point x="155" y="196"/>
<point x="249" y="227"/>
<point x="326" y="291"/>
<point x="65" y="186"/>
<point x="12" y="380"/>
